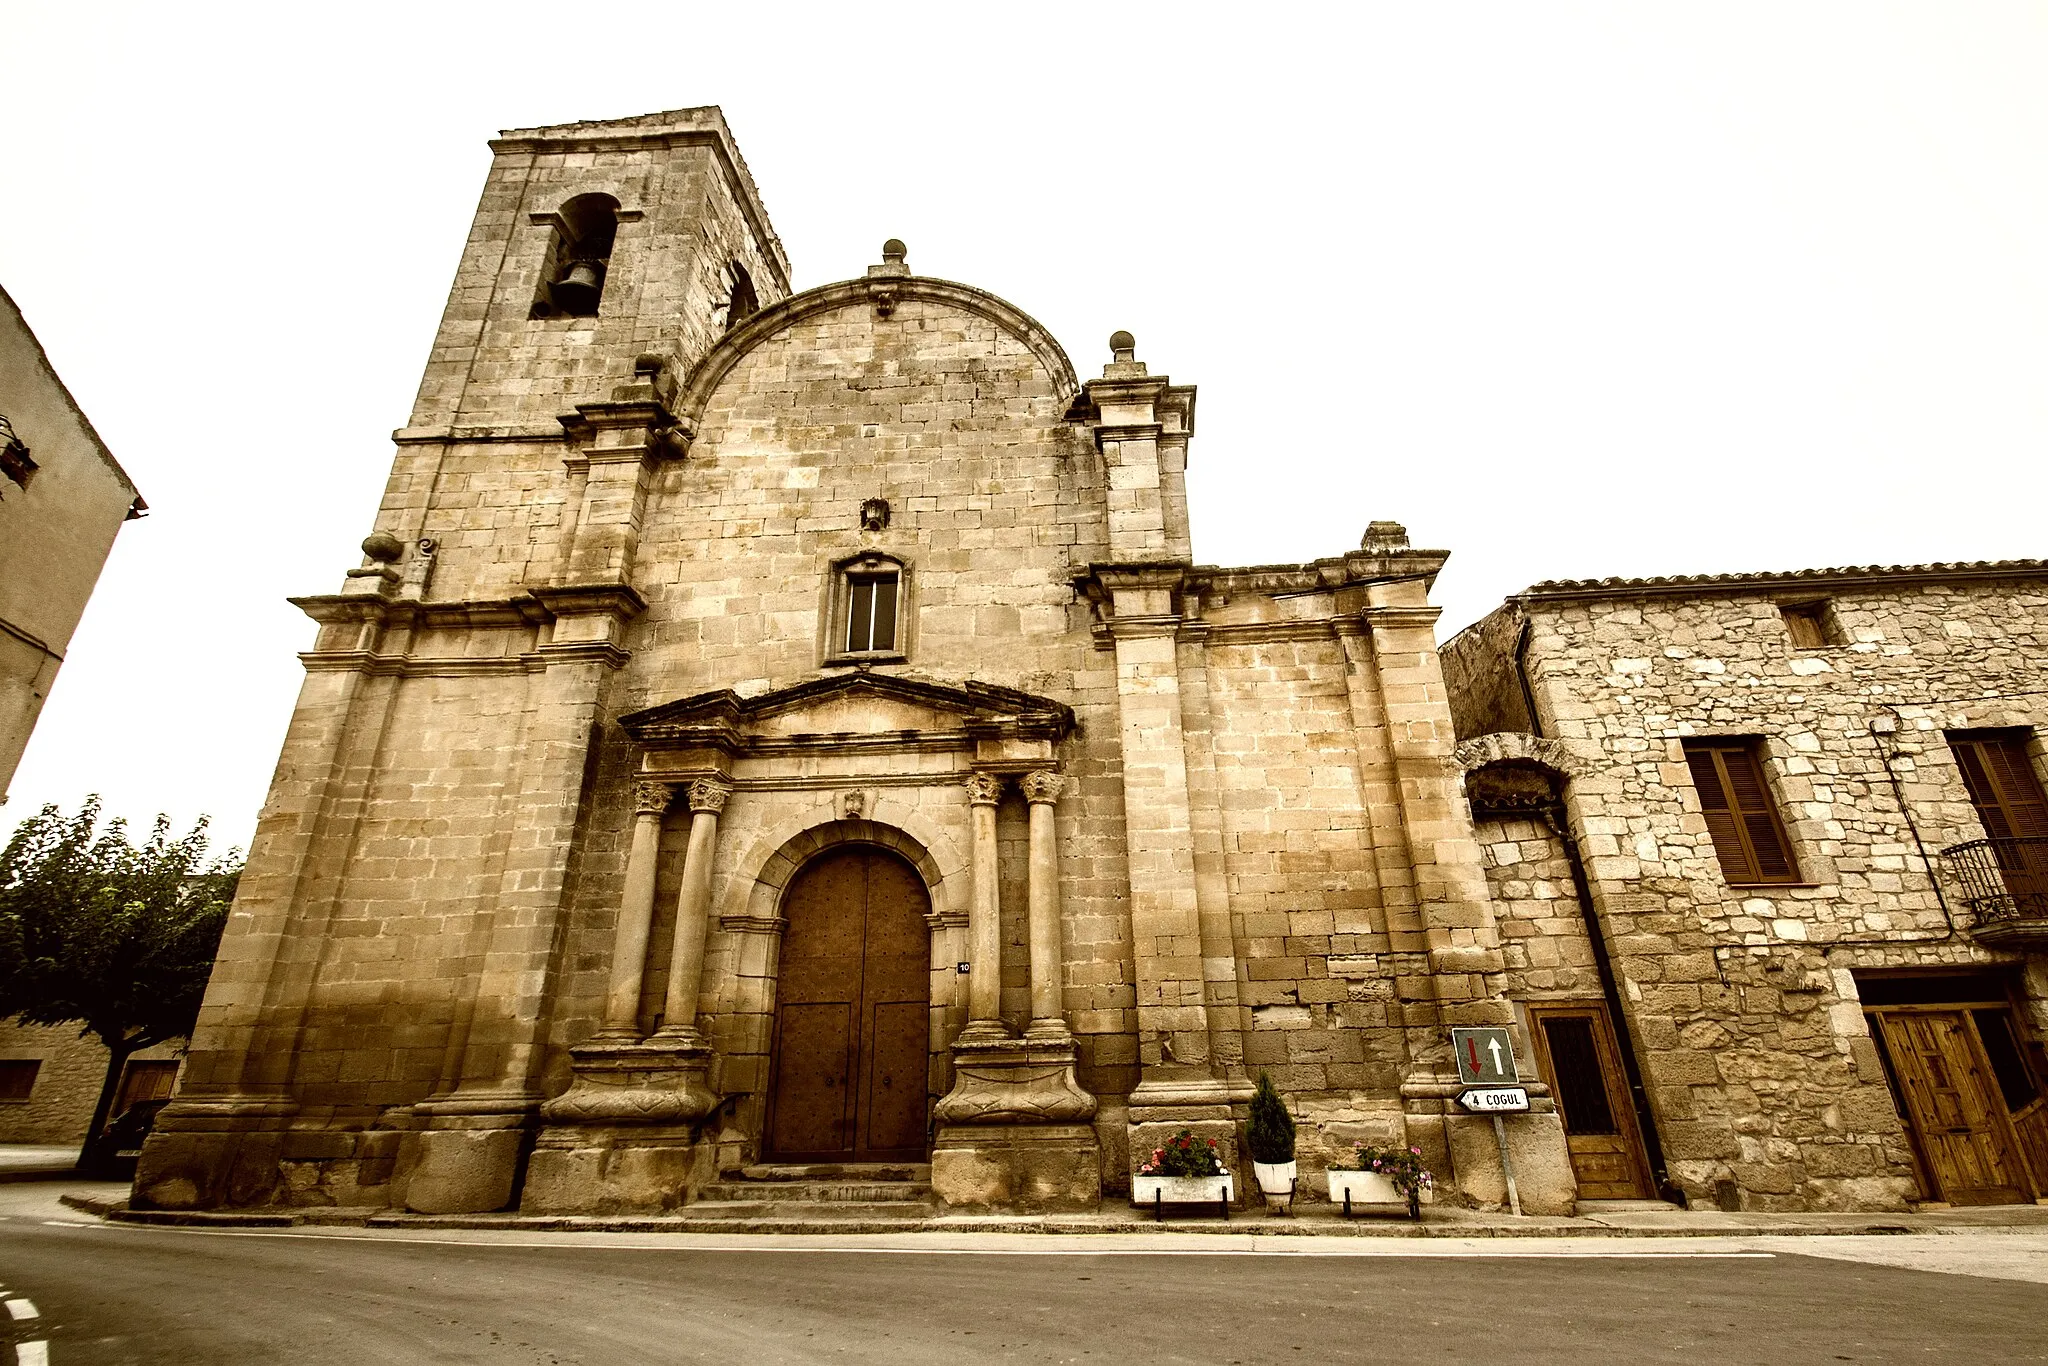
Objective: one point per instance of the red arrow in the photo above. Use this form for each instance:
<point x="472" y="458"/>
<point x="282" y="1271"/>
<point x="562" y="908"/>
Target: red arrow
<point x="1472" y="1051"/>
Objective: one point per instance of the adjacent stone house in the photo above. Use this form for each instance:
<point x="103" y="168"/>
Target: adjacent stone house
<point x="1767" y="852"/>
<point x="794" y="728"/>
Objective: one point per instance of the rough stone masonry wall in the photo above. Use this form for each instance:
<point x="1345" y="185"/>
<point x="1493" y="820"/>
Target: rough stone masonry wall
<point x="1754" y="1049"/>
<point x="1542" y="928"/>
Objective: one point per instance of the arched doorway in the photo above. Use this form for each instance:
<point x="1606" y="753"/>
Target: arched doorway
<point x="852" y="1012"/>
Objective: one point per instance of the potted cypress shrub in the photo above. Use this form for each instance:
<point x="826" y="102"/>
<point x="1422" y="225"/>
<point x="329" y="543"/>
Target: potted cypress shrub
<point x="1183" y="1172"/>
<point x="1270" y="1136"/>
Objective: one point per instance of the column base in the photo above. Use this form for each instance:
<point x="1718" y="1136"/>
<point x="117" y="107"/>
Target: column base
<point x="606" y="1170"/>
<point x="1014" y="1081"/>
<point x="1455" y="1140"/>
<point x="652" y="1081"/>
<point x="214" y="1152"/>
<point x="1207" y="1107"/>
<point x="1035" y="1168"/>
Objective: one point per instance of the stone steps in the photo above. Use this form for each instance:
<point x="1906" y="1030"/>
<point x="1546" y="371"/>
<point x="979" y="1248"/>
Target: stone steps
<point x="818" y="1191"/>
<point x="836" y="1171"/>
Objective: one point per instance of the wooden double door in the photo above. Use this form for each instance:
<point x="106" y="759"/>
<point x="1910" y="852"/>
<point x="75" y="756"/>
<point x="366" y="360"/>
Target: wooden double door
<point x="852" y="1012"/>
<point x="1576" y="1053"/>
<point x="1976" y="1114"/>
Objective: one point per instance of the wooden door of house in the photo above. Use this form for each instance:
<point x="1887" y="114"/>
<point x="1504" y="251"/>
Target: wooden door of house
<point x="1959" y="1119"/>
<point x="1576" y="1054"/>
<point x="852" y="1012"/>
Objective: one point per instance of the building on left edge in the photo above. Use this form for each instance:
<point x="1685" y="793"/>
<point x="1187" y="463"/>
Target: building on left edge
<point x="63" y="498"/>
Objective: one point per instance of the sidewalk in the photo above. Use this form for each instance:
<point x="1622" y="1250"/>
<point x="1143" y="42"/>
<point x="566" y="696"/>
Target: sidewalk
<point x="36" y="1161"/>
<point x="1318" y="1220"/>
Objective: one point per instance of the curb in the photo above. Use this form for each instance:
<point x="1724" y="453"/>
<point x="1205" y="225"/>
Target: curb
<point x="118" y="1212"/>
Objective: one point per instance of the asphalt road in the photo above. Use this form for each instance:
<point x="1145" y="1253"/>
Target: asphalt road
<point x="121" y="1294"/>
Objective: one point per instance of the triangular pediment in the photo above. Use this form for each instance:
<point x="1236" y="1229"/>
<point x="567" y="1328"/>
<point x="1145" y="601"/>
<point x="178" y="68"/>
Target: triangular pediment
<point x="864" y="705"/>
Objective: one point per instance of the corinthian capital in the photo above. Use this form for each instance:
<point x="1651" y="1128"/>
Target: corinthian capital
<point x="1043" y="786"/>
<point x="984" y="789"/>
<point x="709" y="794"/>
<point x="651" y="797"/>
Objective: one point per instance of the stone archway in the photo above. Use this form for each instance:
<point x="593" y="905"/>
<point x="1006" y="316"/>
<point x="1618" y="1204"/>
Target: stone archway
<point x="849" y="1062"/>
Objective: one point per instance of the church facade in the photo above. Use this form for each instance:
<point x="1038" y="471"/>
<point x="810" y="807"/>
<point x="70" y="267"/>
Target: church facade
<point x="793" y="729"/>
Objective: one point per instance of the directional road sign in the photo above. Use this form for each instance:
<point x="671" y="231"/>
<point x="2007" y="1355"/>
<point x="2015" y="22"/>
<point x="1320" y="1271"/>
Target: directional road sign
<point x="1486" y="1056"/>
<point x="1495" y="1100"/>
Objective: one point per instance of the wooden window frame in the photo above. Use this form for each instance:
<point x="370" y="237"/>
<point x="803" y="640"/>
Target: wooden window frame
<point x="839" y="601"/>
<point x="1808" y="618"/>
<point x="1752" y="872"/>
<point x="2020" y="811"/>
<point x="34" y="1068"/>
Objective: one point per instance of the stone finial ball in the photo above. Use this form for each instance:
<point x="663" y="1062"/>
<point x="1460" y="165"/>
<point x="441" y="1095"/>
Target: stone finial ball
<point x="383" y="546"/>
<point x="1122" y="341"/>
<point x="894" y="250"/>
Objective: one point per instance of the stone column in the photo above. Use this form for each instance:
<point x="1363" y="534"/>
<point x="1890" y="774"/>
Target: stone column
<point x="636" y="914"/>
<point x="984" y="916"/>
<point x="1014" y="1131"/>
<point x="1048" y="1020"/>
<point x="693" y="910"/>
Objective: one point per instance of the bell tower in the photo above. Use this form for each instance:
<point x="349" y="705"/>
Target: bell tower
<point x="595" y="243"/>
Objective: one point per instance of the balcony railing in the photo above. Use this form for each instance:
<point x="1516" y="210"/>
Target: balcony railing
<point x="2004" y="881"/>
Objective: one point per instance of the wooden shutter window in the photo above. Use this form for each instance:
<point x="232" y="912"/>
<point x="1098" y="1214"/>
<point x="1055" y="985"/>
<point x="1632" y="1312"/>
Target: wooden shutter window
<point x="1807" y="624"/>
<point x="2000" y="776"/>
<point x="1741" y="817"/>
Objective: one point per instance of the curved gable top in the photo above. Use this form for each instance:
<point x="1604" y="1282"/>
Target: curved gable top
<point x="886" y="290"/>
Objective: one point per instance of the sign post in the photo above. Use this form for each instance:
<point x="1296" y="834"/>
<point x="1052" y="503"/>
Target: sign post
<point x="1486" y="1066"/>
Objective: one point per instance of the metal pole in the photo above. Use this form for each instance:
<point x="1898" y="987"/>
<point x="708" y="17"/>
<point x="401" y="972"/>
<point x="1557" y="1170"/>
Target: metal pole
<point x="1507" y="1166"/>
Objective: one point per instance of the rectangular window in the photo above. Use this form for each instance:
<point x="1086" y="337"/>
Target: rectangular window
<point x="1807" y="622"/>
<point x="1741" y="817"/>
<point x="870" y="612"/>
<point x="17" y="1079"/>
<point x="1999" y="774"/>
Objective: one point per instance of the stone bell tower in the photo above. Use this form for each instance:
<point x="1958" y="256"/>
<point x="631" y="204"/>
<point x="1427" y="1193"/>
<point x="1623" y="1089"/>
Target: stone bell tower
<point x="482" y="635"/>
<point x="626" y="237"/>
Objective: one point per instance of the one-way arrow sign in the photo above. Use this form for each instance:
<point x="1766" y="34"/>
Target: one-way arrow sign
<point x="1486" y="1055"/>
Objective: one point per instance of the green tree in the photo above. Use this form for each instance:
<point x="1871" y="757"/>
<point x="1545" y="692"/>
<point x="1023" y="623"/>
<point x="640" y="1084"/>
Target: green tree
<point x="115" y="937"/>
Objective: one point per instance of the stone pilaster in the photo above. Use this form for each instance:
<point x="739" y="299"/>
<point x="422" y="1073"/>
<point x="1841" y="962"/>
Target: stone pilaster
<point x="468" y="1155"/>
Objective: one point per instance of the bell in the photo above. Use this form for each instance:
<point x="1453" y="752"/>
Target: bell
<point x="577" y="290"/>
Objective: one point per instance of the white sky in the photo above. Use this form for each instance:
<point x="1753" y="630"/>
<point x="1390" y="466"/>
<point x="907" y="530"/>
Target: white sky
<point x="1570" y="289"/>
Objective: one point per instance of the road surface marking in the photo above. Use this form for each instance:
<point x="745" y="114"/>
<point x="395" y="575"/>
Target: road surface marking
<point x="32" y="1354"/>
<point x="23" y="1309"/>
<point x="68" y="1223"/>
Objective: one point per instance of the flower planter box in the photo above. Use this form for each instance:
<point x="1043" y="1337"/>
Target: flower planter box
<point x="1161" y="1191"/>
<point x="1348" y="1188"/>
